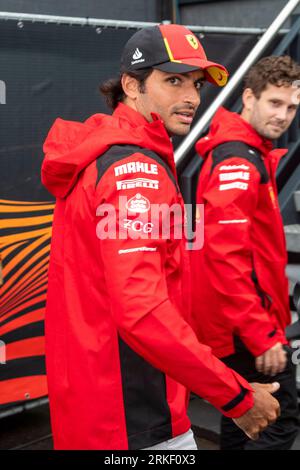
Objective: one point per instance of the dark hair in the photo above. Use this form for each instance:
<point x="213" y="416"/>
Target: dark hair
<point x="113" y="91"/>
<point x="273" y="70"/>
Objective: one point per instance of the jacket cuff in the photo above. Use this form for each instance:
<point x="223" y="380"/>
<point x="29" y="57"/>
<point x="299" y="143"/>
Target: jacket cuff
<point x="258" y="345"/>
<point x="241" y="402"/>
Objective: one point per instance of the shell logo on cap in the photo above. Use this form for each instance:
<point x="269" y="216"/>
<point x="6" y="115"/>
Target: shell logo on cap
<point x="192" y="41"/>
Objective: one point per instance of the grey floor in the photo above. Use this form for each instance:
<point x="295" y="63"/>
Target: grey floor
<point x="29" y="430"/>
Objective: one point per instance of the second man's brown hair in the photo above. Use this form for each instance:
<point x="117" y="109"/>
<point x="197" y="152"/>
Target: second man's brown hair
<point x="273" y="70"/>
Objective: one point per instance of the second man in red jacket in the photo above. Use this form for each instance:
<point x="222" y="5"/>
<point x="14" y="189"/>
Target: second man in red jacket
<point x="240" y="295"/>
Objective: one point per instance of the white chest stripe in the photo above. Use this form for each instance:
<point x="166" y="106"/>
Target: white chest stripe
<point x="234" y="167"/>
<point x="139" y="248"/>
<point x="235" y="185"/>
<point x="237" y="175"/>
<point x="234" y="221"/>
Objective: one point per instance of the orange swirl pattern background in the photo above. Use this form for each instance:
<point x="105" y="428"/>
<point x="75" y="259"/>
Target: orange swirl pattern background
<point x="25" y="234"/>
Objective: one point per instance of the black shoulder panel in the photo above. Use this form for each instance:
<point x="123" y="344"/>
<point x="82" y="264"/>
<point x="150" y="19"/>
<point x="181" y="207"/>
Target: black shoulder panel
<point x="119" y="152"/>
<point x="236" y="148"/>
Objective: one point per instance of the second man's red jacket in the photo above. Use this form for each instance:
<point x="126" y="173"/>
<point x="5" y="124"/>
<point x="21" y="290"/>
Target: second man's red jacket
<point x="239" y="285"/>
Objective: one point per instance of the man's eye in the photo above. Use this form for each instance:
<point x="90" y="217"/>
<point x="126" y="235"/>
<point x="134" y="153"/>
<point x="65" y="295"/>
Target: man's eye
<point x="199" y="85"/>
<point x="174" y="80"/>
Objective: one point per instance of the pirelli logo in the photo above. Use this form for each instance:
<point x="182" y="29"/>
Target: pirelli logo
<point x="136" y="167"/>
<point x="137" y="183"/>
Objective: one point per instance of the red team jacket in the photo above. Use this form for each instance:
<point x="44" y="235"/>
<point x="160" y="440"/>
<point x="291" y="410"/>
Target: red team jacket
<point x="119" y="349"/>
<point x="240" y="288"/>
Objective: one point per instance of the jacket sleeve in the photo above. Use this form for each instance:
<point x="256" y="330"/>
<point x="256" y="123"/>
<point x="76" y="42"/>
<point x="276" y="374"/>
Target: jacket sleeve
<point x="230" y="199"/>
<point x="146" y="319"/>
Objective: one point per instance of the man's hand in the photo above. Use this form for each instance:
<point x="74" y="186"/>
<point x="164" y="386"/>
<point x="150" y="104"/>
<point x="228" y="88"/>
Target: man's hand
<point x="265" y="410"/>
<point x="272" y="361"/>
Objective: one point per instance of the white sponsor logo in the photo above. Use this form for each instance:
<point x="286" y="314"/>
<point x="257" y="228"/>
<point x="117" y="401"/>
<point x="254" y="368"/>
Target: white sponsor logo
<point x="137" y="57"/>
<point x="138" y="225"/>
<point x="237" y="175"/>
<point x="236" y="185"/>
<point x="137" y="183"/>
<point x="160" y="222"/>
<point x="137" y="54"/>
<point x="138" y="204"/>
<point x="139" y="248"/>
<point x="234" y="167"/>
<point x="234" y="221"/>
<point x="136" y="167"/>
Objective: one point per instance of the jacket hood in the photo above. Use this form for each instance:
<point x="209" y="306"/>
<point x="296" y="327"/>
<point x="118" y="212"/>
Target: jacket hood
<point x="71" y="146"/>
<point x="227" y="126"/>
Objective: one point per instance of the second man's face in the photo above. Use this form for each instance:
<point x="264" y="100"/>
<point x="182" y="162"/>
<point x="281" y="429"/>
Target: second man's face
<point x="272" y="113"/>
<point x="175" y="97"/>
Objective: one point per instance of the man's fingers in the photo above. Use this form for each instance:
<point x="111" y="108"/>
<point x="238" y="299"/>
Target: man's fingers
<point x="271" y="388"/>
<point x="272" y="361"/>
<point x="269" y="362"/>
<point x="283" y="360"/>
<point x="274" y="387"/>
<point x="252" y="436"/>
<point x="259" y="363"/>
<point x="276" y="362"/>
<point x="278" y="411"/>
<point x="264" y="412"/>
<point x="253" y="433"/>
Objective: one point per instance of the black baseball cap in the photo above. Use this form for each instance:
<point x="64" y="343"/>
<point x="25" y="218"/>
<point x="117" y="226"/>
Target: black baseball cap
<point x="170" y="48"/>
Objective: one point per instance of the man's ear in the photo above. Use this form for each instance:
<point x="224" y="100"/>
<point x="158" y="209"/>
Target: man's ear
<point x="130" y="86"/>
<point x="248" y="98"/>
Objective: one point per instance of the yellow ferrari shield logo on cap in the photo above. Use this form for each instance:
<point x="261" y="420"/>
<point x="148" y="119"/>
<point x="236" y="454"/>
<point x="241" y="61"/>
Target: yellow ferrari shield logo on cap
<point x="192" y="40"/>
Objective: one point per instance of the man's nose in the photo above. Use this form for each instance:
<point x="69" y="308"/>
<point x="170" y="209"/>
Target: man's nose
<point x="192" y="97"/>
<point x="282" y="113"/>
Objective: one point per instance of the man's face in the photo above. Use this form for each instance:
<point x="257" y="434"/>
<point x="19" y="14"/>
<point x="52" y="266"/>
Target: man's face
<point x="272" y="113"/>
<point x="175" y="97"/>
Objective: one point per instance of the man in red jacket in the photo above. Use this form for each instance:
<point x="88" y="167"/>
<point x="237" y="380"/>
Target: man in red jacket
<point x="240" y="292"/>
<point x="119" y="348"/>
